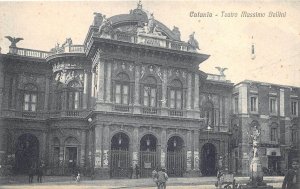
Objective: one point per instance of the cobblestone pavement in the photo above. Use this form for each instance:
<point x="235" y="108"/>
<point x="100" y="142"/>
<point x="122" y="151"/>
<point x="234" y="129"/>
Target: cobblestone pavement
<point x="67" y="183"/>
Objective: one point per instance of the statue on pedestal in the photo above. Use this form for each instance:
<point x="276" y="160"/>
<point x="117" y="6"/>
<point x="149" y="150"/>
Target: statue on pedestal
<point x="193" y="43"/>
<point x="106" y="29"/>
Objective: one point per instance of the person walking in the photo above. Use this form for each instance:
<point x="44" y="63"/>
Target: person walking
<point x="130" y="171"/>
<point x="137" y="171"/>
<point x="154" y="176"/>
<point x="31" y="173"/>
<point x="40" y="172"/>
<point x="290" y="180"/>
<point x="162" y="178"/>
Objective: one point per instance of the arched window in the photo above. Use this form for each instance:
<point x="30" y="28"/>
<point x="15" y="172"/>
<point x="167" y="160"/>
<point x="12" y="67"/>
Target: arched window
<point x="175" y="95"/>
<point x="150" y="92"/>
<point x="294" y="134"/>
<point x="74" y="95"/>
<point x="30" y="98"/>
<point x="122" y="91"/>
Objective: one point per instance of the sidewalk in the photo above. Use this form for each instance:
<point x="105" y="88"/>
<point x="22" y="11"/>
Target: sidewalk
<point x="127" y="183"/>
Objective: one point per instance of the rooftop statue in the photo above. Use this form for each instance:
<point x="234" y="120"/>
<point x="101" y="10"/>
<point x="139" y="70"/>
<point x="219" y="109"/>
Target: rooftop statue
<point x="68" y="42"/>
<point x="139" y="5"/>
<point x="98" y="18"/>
<point x="106" y="28"/>
<point x="193" y="43"/>
<point x="151" y="23"/>
<point x="176" y="32"/>
<point x="13" y="41"/>
<point x="221" y="70"/>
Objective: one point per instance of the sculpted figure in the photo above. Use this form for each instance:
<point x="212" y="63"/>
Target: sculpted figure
<point x="106" y="28"/>
<point x="151" y="23"/>
<point x="13" y="40"/>
<point x="176" y="32"/>
<point x="221" y="70"/>
<point x="97" y="19"/>
<point x="193" y="43"/>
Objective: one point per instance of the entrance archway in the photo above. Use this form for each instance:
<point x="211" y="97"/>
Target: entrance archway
<point x="120" y="157"/>
<point x="176" y="157"/>
<point x="148" y="155"/>
<point x="208" y="160"/>
<point x="27" y="153"/>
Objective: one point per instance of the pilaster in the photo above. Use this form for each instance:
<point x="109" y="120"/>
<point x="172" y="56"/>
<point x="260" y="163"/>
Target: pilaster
<point x="100" y="82"/>
<point x="163" y="152"/>
<point x="164" y="111"/>
<point x="136" y="109"/>
<point x="135" y="148"/>
<point x="85" y="89"/>
<point x="108" y="83"/>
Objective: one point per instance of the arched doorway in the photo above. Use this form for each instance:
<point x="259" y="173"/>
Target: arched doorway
<point x="148" y="155"/>
<point x="208" y="160"/>
<point x="120" y="157"/>
<point x="176" y="157"/>
<point x="27" y="153"/>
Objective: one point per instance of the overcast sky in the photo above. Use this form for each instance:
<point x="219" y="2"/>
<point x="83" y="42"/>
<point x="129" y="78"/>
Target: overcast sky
<point x="226" y="39"/>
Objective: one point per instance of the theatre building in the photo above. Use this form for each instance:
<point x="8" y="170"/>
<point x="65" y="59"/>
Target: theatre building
<point x="131" y="94"/>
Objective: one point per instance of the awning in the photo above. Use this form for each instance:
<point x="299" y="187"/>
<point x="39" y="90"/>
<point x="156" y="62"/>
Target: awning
<point x="273" y="152"/>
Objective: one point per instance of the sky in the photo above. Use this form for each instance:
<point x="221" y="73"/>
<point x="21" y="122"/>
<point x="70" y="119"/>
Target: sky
<point x="227" y="40"/>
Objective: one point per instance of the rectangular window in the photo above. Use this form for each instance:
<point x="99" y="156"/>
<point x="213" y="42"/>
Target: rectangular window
<point x="146" y="96"/>
<point x="30" y="101"/>
<point x="125" y="94"/>
<point x="153" y="96"/>
<point x="178" y="100"/>
<point x="118" y="94"/>
<point x="236" y="105"/>
<point x="76" y="100"/>
<point x="253" y="104"/>
<point x="273" y="134"/>
<point x="273" y="106"/>
<point x="294" y="136"/>
<point x="172" y="99"/>
<point x="294" y="108"/>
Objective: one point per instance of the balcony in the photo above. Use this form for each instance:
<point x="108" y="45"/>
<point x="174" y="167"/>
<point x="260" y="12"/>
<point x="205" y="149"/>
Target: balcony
<point x="24" y="114"/>
<point x="122" y="108"/>
<point x="176" y="113"/>
<point x="69" y="113"/>
<point x="150" y="110"/>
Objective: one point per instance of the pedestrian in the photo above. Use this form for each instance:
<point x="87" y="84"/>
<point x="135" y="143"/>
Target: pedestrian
<point x="290" y="180"/>
<point x="31" y="173"/>
<point x="78" y="178"/>
<point x="137" y="171"/>
<point x="154" y="175"/>
<point x="130" y="172"/>
<point x="162" y="178"/>
<point x="40" y="172"/>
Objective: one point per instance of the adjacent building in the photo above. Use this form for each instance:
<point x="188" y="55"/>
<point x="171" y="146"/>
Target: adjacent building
<point x="133" y="95"/>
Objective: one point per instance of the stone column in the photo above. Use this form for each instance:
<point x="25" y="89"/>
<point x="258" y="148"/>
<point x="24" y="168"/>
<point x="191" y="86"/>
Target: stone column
<point x="189" y="92"/>
<point x="136" y="109"/>
<point x="46" y="93"/>
<point x="85" y="90"/>
<point x="135" y="146"/>
<point x="164" y="92"/>
<point x="189" y="151"/>
<point x="2" y="130"/>
<point x="106" y="147"/>
<point x="98" y="146"/>
<point x="196" y="92"/>
<point x="108" y="83"/>
<point x="163" y="152"/>
<point x="196" y="150"/>
<point x="82" y="148"/>
<point x="100" y="82"/>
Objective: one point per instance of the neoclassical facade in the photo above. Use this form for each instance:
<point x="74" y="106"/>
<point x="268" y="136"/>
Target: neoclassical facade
<point x="132" y="94"/>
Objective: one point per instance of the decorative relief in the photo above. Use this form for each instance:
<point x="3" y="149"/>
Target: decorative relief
<point x="64" y="65"/>
<point x="67" y="75"/>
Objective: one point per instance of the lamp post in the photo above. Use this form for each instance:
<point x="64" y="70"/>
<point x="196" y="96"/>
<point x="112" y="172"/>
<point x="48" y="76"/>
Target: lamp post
<point x="209" y="128"/>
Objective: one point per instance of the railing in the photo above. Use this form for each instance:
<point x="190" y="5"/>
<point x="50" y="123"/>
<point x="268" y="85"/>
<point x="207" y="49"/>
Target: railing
<point x="215" y="77"/>
<point x="149" y="110"/>
<point x="121" y="108"/>
<point x="124" y="37"/>
<point x="77" y="49"/>
<point x="177" y="113"/>
<point x="29" y="52"/>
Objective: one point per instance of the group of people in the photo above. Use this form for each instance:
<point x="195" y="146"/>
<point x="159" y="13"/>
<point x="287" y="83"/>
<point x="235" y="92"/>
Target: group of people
<point x="160" y="177"/>
<point x="137" y="172"/>
<point x="36" y="170"/>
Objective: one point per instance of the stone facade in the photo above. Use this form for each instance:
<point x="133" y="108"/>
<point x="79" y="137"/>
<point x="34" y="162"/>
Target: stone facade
<point x="130" y="96"/>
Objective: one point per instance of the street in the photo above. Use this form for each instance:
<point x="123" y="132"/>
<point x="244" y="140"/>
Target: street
<point x="146" y="183"/>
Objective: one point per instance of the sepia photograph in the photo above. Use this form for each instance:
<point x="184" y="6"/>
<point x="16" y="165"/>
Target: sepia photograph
<point x="149" y="94"/>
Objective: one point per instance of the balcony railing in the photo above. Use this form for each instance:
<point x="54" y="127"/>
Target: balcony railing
<point x="176" y="113"/>
<point x="150" y="110"/>
<point x="121" y="108"/>
<point x="29" y="53"/>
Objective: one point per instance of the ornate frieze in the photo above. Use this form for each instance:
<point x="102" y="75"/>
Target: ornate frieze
<point x="64" y="76"/>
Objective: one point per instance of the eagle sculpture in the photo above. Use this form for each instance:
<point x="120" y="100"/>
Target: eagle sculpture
<point x="13" y="40"/>
<point x="221" y="70"/>
<point x="192" y="42"/>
